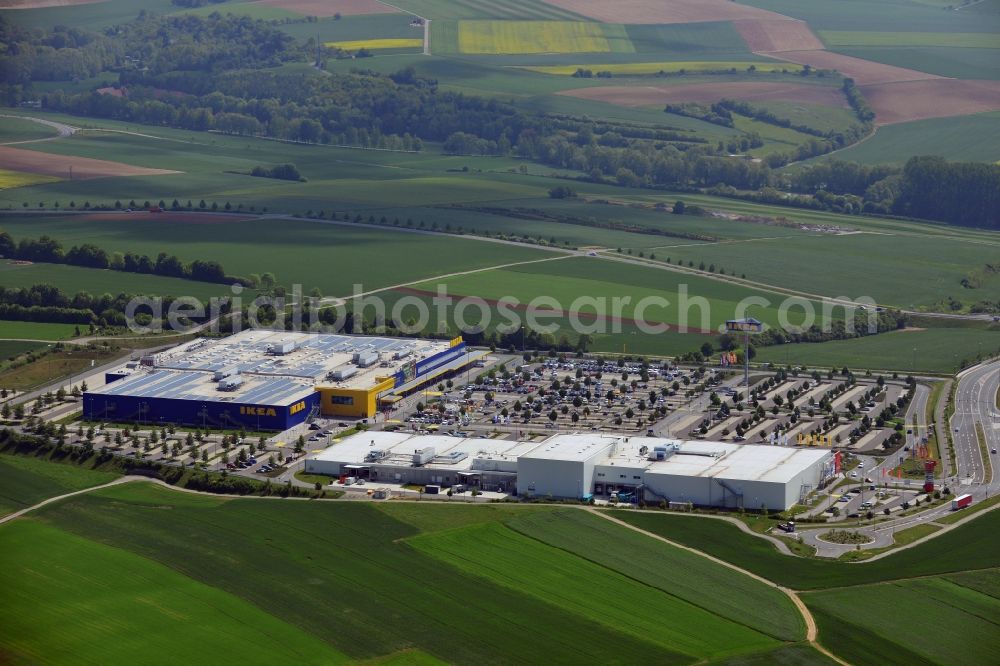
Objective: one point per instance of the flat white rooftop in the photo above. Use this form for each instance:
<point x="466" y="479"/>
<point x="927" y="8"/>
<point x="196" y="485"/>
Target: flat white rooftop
<point x="399" y="448"/>
<point x="724" y="460"/>
<point x="576" y="448"/>
<point x="739" y="462"/>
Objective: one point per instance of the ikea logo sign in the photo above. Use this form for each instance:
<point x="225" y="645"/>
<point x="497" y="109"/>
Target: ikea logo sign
<point x="258" y="411"/>
<point x="297" y="407"/>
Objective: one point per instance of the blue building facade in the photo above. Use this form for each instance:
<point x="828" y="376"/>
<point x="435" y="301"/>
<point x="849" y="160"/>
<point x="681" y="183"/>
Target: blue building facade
<point x="197" y="413"/>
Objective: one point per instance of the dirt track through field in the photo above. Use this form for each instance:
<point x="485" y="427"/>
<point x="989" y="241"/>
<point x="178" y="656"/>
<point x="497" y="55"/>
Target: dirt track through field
<point x="325" y="8"/>
<point x="712" y="92"/>
<point x="69" y="166"/>
<point x="807" y="618"/>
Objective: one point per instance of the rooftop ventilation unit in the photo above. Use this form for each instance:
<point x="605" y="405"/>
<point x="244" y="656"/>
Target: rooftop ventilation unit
<point x="227" y="371"/>
<point x="342" y="374"/>
<point x="281" y="348"/>
<point x="450" y="458"/>
<point x="230" y="383"/>
<point x="424" y="455"/>
<point x="663" y="452"/>
<point x="366" y="358"/>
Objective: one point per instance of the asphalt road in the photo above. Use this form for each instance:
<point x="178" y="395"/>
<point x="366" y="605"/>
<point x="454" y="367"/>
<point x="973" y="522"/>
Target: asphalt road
<point x="975" y="404"/>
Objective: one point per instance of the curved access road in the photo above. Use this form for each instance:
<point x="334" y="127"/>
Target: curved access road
<point x="62" y="129"/>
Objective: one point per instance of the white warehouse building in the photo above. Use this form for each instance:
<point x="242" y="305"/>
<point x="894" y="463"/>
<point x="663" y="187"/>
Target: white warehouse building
<point x="584" y="465"/>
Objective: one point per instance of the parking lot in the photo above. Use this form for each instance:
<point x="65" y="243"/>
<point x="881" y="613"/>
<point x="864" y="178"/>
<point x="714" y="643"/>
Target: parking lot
<point x="629" y="398"/>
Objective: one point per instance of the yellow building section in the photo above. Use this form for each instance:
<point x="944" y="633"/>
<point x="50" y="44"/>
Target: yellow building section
<point x="353" y="402"/>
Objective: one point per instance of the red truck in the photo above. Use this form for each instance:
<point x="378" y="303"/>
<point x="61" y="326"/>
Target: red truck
<point x="961" y="502"/>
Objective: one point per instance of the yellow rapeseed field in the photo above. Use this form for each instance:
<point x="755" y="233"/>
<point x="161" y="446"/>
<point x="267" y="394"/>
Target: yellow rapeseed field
<point x="374" y="44"/>
<point x="11" y="179"/>
<point x="511" y="37"/>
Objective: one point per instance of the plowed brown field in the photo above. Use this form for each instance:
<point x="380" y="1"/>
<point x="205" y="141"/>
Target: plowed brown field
<point x="862" y="71"/>
<point x="772" y="35"/>
<point x="81" y="168"/>
<point x="934" y="98"/>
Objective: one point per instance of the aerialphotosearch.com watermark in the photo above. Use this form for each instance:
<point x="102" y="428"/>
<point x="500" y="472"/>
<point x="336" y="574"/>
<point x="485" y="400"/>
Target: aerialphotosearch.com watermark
<point x="412" y="312"/>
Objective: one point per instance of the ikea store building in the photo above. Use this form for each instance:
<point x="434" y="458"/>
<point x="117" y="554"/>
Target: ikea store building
<point x="272" y="380"/>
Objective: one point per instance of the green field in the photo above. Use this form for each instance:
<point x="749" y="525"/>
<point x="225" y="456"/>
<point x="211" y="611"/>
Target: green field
<point x="955" y="62"/>
<point x="980" y="40"/>
<point x="974" y="138"/>
<point x="929" y="620"/>
<point x="937" y="350"/>
<point x="973" y="545"/>
<point x="486" y="9"/>
<point x="16" y="129"/>
<point x="27" y="481"/>
<point x="10" y="349"/>
<point x="214" y="168"/>
<point x="722" y="591"/>
<point x="253" y="10"/>
<point x="71" y="599"/>
<point x="839" y="264"/>
<point x="72" y="279"/>
<point x="876" y="15"/>
<point x="776" y="139"/>
<point x="718" y="39"/>
<point x="817" y="116"/>
<point x="32" y="330"/>
<point x="508" y="559"/>
<point x="301" y="252"/>
<point x="568" y="279"/>
<point x="92" y="16"/>
<point x="362" y="26"/>
<point x="591" y="223"/>
<point x="356" y="581"/>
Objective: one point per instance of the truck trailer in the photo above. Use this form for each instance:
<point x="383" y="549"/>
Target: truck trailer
<point x="961" y="502"/>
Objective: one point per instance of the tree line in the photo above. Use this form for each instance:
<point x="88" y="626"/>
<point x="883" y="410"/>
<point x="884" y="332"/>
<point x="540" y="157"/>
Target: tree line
<point x="48" y="250"/>
<point x="45" y="302"/>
